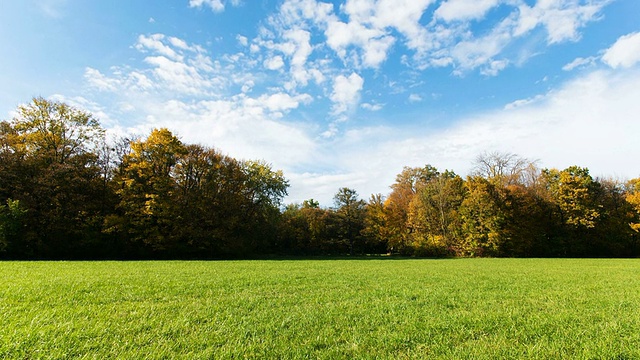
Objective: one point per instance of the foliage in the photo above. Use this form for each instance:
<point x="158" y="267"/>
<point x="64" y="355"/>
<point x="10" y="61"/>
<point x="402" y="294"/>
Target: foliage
<point x="633" y="198"/>
<point x="433" y="215"/>
<point x="12" y="224"/>
<point x="48" y="163"/>
<point x="407" y="185"/>
<point x="71" y="193"/>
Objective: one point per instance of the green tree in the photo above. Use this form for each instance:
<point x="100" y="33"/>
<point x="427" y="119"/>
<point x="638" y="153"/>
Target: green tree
<point x="614" y="234"/>
<point x="12" y="225"/>
<point x="350" y="211"/>
<point x="50" y="164"/>
<point x="55" y="132"/>
<point x="308" y="229"/>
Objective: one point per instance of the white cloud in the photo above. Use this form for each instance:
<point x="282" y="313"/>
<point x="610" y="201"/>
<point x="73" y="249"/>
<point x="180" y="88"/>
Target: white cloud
<point x="454" y="10"/>
<point x="97" y="80"/>
<point x="248" y="86"/>
<point x="346" y="92"/>
<point x="133" y="80"/>
<point x="624" y="53"/>
<point x="181" y="77"/>
<point x="242" y="40"/>
<point x="281" y="101"/>
<point x="415" y="98"/>
<point x="579" y="62"/>
<point x="404" y="16"/>
<point x="439" y="36"/>
<point x="523" y="102"/>
<point x="371" y="107"/>
<point x="179" y="43"/>
<point x="494" y="67"/>
<point x="579" y="123"/>
<point x="155" y="43"/>
<point x="561" y="18"/>
<point x="274" y="63"/>
<point x="215" y="5"/>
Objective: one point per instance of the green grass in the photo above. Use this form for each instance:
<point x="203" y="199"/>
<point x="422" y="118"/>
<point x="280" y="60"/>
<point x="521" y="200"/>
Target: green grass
<point x="467" y="308"/>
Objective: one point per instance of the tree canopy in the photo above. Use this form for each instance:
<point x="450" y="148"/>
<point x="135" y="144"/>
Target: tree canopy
<point x="68" y="192"/>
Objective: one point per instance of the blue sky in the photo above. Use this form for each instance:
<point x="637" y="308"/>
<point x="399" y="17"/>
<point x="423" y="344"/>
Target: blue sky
<point x="344" y="93"/>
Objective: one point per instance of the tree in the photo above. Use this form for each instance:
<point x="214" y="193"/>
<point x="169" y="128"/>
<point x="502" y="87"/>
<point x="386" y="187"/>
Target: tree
<point x="483" y="219"/>
<point x="263" y="191"/>
<point x="574" y="193"/>
<point x="501" y="168"/>
<point x="12" y="226"/>
<point x="50" y="164"/>
<point x="147" y="189"/>
<point x="434" y="215"/>
<point x="633" y="198"/>
<point x="407" y="184"/>
<point x="350" y="211"/>
<point x="308" y="229"/>
<point x="55" y="132"/>
<point x="376" y="230"/>
<point x="614" y="234"/>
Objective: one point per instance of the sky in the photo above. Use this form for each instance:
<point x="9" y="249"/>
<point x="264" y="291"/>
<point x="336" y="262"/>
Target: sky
<point x="343" y="93"/>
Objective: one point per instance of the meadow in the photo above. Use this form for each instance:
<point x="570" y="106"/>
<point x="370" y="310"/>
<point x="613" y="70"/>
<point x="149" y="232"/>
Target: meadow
<point x="324" y="309"/>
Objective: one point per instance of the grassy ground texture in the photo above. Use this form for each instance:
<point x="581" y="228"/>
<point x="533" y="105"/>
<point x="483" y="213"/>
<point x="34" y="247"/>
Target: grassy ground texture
<point x="325" y="309"/>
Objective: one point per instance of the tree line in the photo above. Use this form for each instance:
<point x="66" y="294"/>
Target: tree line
<point x="66" y="192"/>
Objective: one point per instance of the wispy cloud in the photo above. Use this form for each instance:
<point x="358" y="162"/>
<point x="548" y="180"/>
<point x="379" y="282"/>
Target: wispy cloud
<point x="456" y="10"/>
<point x="580" y="62"/>
<point x="54" y="9"/>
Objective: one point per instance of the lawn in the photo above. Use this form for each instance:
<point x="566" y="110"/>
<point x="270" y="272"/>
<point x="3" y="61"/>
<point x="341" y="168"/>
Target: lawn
<point x="326" y="309"/>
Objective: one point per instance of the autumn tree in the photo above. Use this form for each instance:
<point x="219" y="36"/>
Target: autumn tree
<point x="207" y="203"/>
<point x="632" y="196"/>
<point x="147" y="188"/>
<point x="376" y="230"/>
<point x="407" y="184"/>
<point x="193" y="201"/>
<point x="574" y="194"/>
<point x="434" y="215"/>
<point x="482" y="217"/>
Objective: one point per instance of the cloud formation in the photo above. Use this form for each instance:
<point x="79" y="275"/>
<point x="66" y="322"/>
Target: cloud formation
<point x="363" y="32"/>
<point x="215" y="5"/>
<point x="625" y="53"/>
<point x="346" y="91"/>
<point x="289" y="94"/>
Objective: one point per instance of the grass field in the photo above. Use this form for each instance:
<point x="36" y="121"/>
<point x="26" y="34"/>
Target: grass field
<point x="467" y="308"/>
